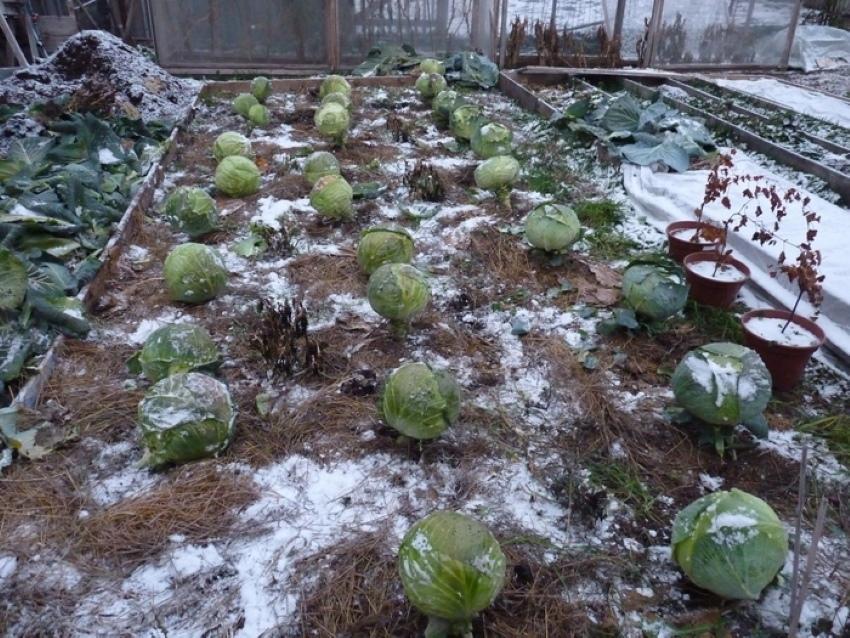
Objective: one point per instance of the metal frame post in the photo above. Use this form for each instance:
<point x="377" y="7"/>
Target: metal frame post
<point x="619" y="19"/>
<point x="652" y="37"/>
<point x="792" y="32"/>
<point x="503" y="33"/>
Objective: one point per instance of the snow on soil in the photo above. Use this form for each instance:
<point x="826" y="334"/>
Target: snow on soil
<point x="806" y="101"/>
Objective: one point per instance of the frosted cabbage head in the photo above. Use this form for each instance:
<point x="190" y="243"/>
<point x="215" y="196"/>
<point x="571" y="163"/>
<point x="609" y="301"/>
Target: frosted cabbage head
<point x="334" y="84"/>
<point x="444" y="105"/>
<point x="491" y="139"/>
<point x="398" y="292"/>
<point x="498" y="174"/>
<point x="318" y="165"/>
<point x="420" y="401"/>
<point x="451" y="568"/>
<point x="194" y="273"/>
<point x="243" y="103"/>
<point x="333" y="197"/>
<point x="730" y="543"/>
<point x="174" y="348"/>
<point x="722" y="384"/>
<point x="231" y="143"/>
<point x="654" y="291"/>
<point x="191" y="210"/>
<point x="185" y="417"/>
<point x="261" y="88"/>
<point x="237" y="176"/>
<point x="552" y="227"/>
<point x="258" y="115"/>
<point x="464" y="120"/>
<point x="333" y="121"/>
<point x="430" y="85"/>
<point x="430" y="65"/>
<point x="384" y="245"/>
<point x="337" y="98"/>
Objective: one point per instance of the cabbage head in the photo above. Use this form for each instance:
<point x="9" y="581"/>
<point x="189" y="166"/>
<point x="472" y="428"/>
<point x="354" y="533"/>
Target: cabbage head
<point x="730" y="543"/>
<point x="191" y="210"/>
<point x="337" y="98"/>
<point x="552" y="227"/>
<point x="451" y="568"/>
<point x="194" y="273"/>
<point x="258" y="115"/>
<point x="491" y="139"/>
<point x="174" y="348"/>
<point x="333" y="121"/>
<point x="430" y="65"/>
<point x="13" y="280"/>
<point x="654" y="290"/>
<point x="231" y="143"/>
<point x="243" y="103"/>
<point x="398" y="292"/>
<point x="185" y="417"/>
<point x="237" y="176"/>
<point x="498" y="174"/>
<point x="722" y="384"/>
<point x="332" y="196"/>
<point x="464" y="120"/>
<point x="261" y="88"/>
<point x="420" y="401"/>
<point x="320" y="164"/>
<point x="384" y="245"/>
<point x="430" y="85"/>
<point x="334" y="84"/>
<point x="444" y="105"/>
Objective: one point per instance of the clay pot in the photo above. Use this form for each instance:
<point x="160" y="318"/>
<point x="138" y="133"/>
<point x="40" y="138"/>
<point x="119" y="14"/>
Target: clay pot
<point x="786" y="363"/>
<point x="678" y="246"/>
<point x="708" y="290"/>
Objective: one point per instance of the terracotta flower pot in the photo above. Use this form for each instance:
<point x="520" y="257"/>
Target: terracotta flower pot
<point x="679" y="235"/>
<point x="786" y="362"/>
<point x="711" y="290"/>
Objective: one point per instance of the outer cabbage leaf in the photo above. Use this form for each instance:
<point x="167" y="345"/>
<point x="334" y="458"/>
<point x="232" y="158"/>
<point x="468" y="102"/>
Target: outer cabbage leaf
<point x="191" y="210"/>
<point x="384" y="245"/>
<point x="176" y="348"/>
<point x="655" y="291"/>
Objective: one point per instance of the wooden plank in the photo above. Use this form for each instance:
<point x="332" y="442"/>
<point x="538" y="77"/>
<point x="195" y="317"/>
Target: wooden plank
<point x="509" y="85"/>
<point x="306" y="84"/>
<point x="580" y="71"/>
<point x="11" y="41"/>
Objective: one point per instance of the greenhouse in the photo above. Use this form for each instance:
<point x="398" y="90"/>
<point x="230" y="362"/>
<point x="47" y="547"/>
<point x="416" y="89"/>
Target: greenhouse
<point x="390" y="318"/>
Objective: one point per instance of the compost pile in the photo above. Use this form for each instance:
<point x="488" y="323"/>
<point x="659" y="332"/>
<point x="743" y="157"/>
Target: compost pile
<point x="94" y="71"/>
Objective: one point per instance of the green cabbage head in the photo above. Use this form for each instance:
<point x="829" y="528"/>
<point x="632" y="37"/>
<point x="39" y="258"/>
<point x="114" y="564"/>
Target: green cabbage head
<point x="464" y="120"/>
<point x="231" y="143"/>
<point x="185" y="417"/>
<point x="384" y="245"/>
<point x="258" y="115"/>
<point x="429" y="85"/>
<point x="430" y="65"/>
<point x="176" y="347"/>
<point x="451" y="568"/>
<point x="320" y="164"/>
<point x="333" y="121"/>
<point x="261" y="88"/>
<point x="491" y="139"/>
<point x="332" y="196"/>
<point x="498" y="174"/>
<point x="398" y="292"/>
<point x="444" y="105"/>
<point x="334" y="84"/>
<point x="194" y="273"/>
<point x="243" y="103"/>
<point x="730" y="543"/>
<point x="420" y="401"/>
<point x="237" y="176"/>
<point x="191" y="210"/>
<point x="552" y="227"/>
<point x="337" y="98"/>
<point x="722" y="384"/>
<point x="654" y="290"/>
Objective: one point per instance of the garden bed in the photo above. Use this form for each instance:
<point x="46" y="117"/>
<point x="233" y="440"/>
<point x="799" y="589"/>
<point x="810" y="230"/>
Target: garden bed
<point x="562" y="446"/>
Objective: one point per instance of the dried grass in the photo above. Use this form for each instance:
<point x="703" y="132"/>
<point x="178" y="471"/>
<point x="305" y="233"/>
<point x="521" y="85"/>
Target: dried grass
<point x="321" y="275"/>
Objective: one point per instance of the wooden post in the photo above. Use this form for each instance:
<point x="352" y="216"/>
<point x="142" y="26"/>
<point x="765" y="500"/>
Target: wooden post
<point x="792" y="32"/>
<point x="443" y="26"/>
<point x="554" y="16"/>
<point x="10" y="38"/>
<point x="619" y="19"/>
<point x="332" y="33"/>
<point x="654" y="27"/>
<point x="503" y="33"/>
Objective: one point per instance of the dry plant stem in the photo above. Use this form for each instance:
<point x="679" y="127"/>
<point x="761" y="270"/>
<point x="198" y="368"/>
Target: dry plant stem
<point x="801" y="500"/>
<point x="811" y="559"/>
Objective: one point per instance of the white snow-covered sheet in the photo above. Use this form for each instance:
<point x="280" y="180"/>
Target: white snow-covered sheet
<point x="806" y="101"/>
<point x="669" y="197"/>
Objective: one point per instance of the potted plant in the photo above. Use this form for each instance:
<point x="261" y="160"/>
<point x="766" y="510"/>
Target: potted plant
<point x="685" y="238"/>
